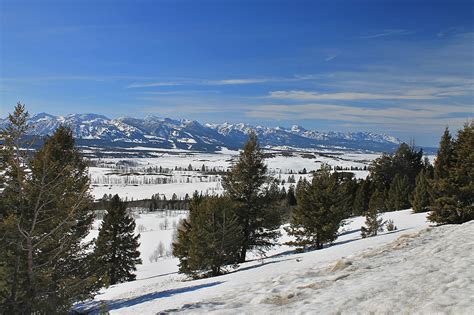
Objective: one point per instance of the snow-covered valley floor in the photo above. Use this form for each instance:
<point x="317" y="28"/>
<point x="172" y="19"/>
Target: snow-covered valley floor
<point x="416" y="269"/>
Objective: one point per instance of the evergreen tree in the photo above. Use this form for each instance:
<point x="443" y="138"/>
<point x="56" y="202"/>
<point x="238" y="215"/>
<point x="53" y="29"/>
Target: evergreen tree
<point x="408" y="162"/>
<point x="399" y="193"/>
<point x="319" y="211"/>
<point x="291" y="198"/>
<point x="215" y="237"/>
<point x="347" y="188"/>
<point x="361" y="199"/>
<point x="373" y="223"/>
<point x="377" y="201"/>
<point x="13" y="165"/>
<point x="117" y="245"/>
<point x="422" y="196"/>
<point x="182" y="242"/>
<point x="454" y="179"/>
<point x="247" y="186"/>
<point x="405" y="162"/>
<point x="45" y="217"/>
<point x="444" y="157"/>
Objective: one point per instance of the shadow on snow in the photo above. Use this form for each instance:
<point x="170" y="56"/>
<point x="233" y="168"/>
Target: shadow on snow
<point x="94" y="307"/>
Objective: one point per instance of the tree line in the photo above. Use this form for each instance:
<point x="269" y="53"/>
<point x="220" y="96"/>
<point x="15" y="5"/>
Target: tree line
<point x="221" y="230"/>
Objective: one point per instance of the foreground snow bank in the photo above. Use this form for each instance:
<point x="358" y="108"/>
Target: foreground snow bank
<point x="408" y="270"/>
<point x="429" y="271"/>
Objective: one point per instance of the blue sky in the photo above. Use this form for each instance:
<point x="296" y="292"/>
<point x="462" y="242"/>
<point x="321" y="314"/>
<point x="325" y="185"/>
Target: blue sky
<point x="401" y="67"/>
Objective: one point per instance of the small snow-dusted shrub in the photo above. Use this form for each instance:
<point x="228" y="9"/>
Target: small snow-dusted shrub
<point x="165" y="224"/>
<point x="390" y="226"/>
<point x="141" y="228"/>
<point x="158" y="252"/>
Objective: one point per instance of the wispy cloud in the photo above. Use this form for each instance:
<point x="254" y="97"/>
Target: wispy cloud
<point x="238" y="81"/>
<point x="331" y="57"/>
<point x="450" y="31"/>
<point x="218" y="82"/>
<point x="197" y="108"/>
<point x="42" y="79"/>
<point x="388" y="32"/>
<point x="347" y="96"/>
<point x="152" y="84"/>
<point x="410" y="116"/>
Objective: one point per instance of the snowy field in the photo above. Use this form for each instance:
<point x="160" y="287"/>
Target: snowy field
<point x="167" y="173"/>
<point x="413" y="269"/>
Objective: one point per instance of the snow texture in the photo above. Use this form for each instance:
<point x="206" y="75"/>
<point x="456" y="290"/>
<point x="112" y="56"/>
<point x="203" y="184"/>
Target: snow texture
<point x="105" y="181"/>
<point x="415" y="269"/>
<point x="187" y="134"/>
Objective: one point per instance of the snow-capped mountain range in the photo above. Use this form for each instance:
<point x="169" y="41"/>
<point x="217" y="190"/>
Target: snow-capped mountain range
<point x="159" y="132"/>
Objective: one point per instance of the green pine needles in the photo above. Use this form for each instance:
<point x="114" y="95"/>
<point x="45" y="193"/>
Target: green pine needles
<point x="116" y="251"/>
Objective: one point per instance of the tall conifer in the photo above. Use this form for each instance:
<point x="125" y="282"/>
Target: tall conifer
<point x="454" y="178"/>
<point x="117" y="245"/>
<point x="247" y="185"/>
<point x="45" y="217"/>
<point x="422" y="197"/>
<point x="319" y="212"/>
<point x="398" y="196"/>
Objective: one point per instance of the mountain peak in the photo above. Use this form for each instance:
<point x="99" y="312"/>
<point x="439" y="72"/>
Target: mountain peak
<point x="86" y="116"/>
<point x="192" y="135"/>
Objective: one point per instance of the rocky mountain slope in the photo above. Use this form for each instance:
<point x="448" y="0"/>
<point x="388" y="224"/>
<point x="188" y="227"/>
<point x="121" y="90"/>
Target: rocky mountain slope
<point x="93" y="129"/>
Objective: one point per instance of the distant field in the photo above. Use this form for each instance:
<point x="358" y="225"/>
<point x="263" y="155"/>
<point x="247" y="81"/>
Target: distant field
<point x="139" y="173"/>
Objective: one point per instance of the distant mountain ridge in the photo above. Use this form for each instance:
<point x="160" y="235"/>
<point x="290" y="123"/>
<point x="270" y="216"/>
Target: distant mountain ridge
<point x="169" y="133"/>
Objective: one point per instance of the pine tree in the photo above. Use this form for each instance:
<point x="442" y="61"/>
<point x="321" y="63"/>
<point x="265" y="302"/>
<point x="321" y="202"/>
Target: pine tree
<point x="13" y="165"/>
<point x="182" y="244"/>
<point x="422" y="197"/>
<point x="45" y="217"/>
<point x="60" y="185"/>
<point x="361" y="199"/>
<point x="347" y="189"/>
<point x="291" y="198"/>
<point x="215" y="237"/>
<point x="117" y="245"/>
<point x="377" y="201"/>
<point x="373" y="223"/>
<point x="405" y="162"/>
<point x="454" y="179"/>
<point x="444" y="157"/>
<point x="319" y="211"/>
<point x="399" y="193"/>
<point x="247" y="184"/>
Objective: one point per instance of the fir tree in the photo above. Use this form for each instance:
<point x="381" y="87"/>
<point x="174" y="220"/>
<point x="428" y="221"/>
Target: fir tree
<point x="291" y="198"/>
<point x="377" y="201"/>
<point x="182" y="243"/>
<point x="117" y="245"/>
<point x="422" y="197"/>
<point x="399" y="193"/>
<point x="347" y="188"/>
<point x="45" y="217"/>
<point x="444" y="157"/>
<point x="373" y="223"/>
<point x="215" y="237"/>
<point x="13" y="167"/>
<point x="361" y="199"/>
<point x="319" y="211"/>
<point x="405" y="162"/>
<point x="247" y="186"/>
<point x="454" y="179"/>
